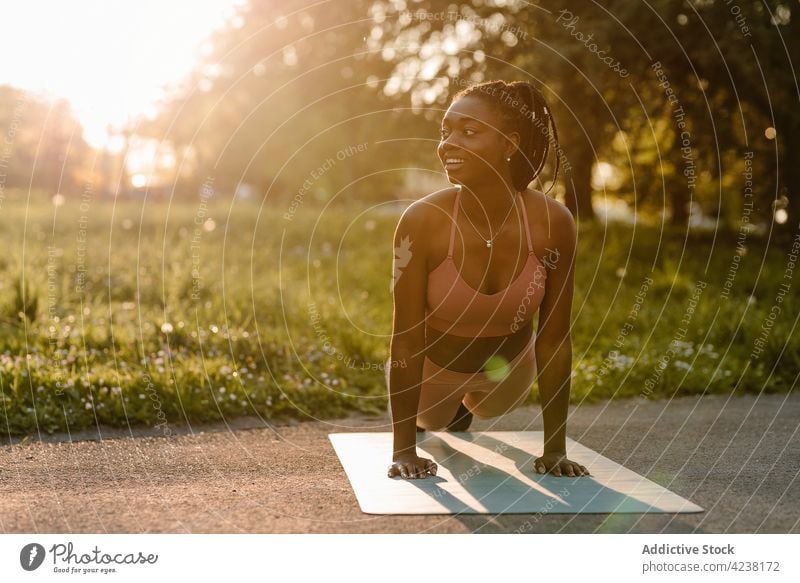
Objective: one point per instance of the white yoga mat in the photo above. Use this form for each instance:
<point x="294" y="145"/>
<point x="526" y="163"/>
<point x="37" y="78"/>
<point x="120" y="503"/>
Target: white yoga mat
<point x="492" y="473"/>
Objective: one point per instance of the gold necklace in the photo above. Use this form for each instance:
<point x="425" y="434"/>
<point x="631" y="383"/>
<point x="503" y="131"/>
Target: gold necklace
<point x="491" y="240"/>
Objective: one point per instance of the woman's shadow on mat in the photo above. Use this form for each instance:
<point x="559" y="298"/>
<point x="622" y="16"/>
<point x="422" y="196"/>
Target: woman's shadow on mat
<point x="487" y="485"/>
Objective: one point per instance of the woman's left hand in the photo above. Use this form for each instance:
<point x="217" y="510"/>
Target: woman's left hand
<point x="558" y="465"/>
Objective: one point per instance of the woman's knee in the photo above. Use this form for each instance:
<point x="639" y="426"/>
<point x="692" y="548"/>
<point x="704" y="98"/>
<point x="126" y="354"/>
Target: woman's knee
<point x="487" y="412"/>
<point x="486" y="407"/>
<point x="430" y="424"/>
<point x="437" y="417"/>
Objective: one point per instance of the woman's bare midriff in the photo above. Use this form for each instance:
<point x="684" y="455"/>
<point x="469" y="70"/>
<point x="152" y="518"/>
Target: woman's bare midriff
<point x="470" y="354"/>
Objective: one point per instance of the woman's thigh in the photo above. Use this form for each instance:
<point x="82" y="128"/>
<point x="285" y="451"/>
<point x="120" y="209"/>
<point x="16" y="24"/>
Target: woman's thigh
<point x="442" y="391"/>
<point x="506" y="395"/>
<point x="511" y="388"/>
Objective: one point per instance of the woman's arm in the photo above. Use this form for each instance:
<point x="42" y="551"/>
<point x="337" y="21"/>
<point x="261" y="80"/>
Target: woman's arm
<point x="553" y="341"/>
<point x="408" y="326"/>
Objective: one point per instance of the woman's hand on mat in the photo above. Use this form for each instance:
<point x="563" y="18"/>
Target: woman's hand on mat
<point x="410" y="465"/>
<point x="558" y="465"/>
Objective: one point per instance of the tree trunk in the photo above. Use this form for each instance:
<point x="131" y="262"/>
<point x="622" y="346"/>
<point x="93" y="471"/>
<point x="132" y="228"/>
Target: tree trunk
<point x="579" y="182"/>
<point x="678" y="199"/>
<point x="790" y="180"/>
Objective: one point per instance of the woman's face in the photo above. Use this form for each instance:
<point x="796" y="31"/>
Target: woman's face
<point x="472" y="136"/>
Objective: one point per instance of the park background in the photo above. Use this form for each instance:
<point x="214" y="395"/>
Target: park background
<point x="219" y="243"/>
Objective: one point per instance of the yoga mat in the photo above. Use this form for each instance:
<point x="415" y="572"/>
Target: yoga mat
<point x="492" y="473"/>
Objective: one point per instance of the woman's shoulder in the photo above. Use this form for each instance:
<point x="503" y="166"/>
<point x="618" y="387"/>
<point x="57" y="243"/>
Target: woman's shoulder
<point x="548" y="209"/>
<point x="440" y="198"/>
<point x="430" y="208"/>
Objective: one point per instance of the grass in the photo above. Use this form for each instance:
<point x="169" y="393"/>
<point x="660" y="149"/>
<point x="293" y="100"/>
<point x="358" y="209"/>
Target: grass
<point x="147" y="314"/>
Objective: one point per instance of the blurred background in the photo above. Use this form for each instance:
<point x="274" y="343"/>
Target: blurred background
<point x="197" y="200"/>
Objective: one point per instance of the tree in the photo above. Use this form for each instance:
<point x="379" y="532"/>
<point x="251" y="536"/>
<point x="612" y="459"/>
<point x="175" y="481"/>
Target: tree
<point x="623" y="69"/>
<point x="554" y="48"/>
<point x="42" y="145"/>
<point x="286" y="88"/>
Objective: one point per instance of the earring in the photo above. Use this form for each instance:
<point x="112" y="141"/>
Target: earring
<point x="508" y="159"/>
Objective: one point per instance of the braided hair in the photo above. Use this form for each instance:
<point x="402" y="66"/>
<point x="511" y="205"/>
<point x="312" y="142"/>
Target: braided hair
<point x="523" y="109"/>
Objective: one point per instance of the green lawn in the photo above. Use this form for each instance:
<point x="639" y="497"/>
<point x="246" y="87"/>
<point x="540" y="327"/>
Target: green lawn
<point x="142" y="314"/>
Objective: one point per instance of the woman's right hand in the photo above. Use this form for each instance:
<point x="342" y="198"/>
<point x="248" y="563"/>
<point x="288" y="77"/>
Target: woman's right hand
<point x="410" y="466"/>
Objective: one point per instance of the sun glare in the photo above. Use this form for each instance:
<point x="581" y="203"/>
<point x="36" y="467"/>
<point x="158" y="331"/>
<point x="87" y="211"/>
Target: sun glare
<point x="111" y="59"/>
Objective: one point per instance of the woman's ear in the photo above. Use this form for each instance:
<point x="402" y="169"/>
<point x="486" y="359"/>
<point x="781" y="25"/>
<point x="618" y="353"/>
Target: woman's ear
<point x="512" y="144"/>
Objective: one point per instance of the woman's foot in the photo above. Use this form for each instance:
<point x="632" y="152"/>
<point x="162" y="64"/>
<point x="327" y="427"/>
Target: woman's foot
<point x="462" y="420"/>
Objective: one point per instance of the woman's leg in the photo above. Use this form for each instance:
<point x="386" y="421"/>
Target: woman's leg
<point x="508" y="393"/>
<point x="484" y="395"/>
<point x="441" y="393"/>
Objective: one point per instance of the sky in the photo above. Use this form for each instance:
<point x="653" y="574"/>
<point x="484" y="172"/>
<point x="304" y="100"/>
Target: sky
<point x="110" y="58"/>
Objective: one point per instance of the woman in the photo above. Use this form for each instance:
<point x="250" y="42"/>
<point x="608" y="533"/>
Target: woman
<point x="463" y="306"/>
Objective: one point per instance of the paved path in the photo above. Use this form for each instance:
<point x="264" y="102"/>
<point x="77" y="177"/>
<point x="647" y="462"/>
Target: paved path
<point x="737" y="457"/>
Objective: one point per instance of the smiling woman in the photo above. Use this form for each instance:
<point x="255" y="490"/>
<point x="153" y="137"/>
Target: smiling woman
<point x="472" y="303"/>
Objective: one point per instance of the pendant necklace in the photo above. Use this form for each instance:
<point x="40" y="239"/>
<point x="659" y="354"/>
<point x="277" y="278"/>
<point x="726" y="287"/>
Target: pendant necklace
<point x="490" y="240"/>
